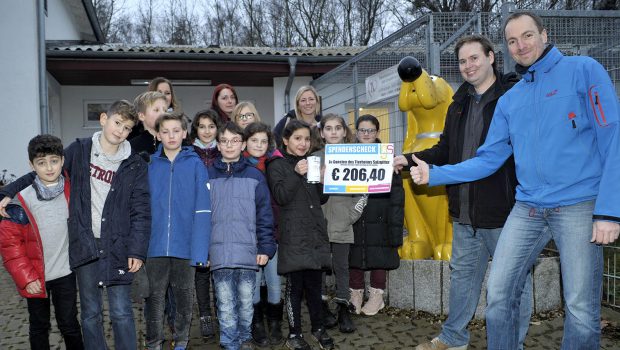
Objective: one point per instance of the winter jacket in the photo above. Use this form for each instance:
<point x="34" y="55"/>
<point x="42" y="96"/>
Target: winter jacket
<point x="144" y="143"/>
<point x="341" y="211"/>
<point x="261" y="164"/>
<point x="561" y="123"/>
<point x="207" y="155"/>
<point x="491" y="198"/>
<point x="279" y="128"/>
<point x="304" y="244"/>
<point x="181" y="207"/>
<point x="126" y="216"/>
<point x="242" y="217"/>
<point x="379" y="231"/>
<point x="21" y="247"/>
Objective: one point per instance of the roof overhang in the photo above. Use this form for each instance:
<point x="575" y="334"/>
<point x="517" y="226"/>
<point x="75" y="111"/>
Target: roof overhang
<point x="118" y="65"/>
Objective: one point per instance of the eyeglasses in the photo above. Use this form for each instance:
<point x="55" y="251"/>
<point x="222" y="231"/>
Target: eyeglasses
<point x="233" y="142"/>
<point x="246" y="116"/>
<point x="367" y="131"/>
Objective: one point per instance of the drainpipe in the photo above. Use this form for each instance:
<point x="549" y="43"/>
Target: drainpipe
<point x="292" y="62"/>
<point x="43" y="108"/>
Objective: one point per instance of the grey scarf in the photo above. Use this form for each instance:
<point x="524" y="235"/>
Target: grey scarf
<point x="47" y="193"/>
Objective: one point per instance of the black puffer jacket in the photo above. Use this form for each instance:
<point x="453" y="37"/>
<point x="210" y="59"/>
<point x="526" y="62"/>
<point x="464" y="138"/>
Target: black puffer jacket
<point x="303" y="241"/>
<point x="491" y="198"/>
<point x="379" y="231"/>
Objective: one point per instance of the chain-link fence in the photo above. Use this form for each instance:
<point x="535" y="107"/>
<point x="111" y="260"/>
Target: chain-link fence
<point x="431" y="40"/>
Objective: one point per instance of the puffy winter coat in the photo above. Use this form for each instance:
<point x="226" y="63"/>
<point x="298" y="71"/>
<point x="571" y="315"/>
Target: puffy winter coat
<point x="379" y="231"/>
<point x="242" y="217"/>
<point x="303" y="244"/>
<point x="21" y="247"/>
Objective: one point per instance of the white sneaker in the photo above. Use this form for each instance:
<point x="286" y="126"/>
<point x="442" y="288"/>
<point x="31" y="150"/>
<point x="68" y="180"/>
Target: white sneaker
<point x="374" y="303"/>
<point x="357" y="298"/>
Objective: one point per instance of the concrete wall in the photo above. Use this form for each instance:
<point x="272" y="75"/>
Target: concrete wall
<point x="19" y="71"/>
<point x="192" y="100"/>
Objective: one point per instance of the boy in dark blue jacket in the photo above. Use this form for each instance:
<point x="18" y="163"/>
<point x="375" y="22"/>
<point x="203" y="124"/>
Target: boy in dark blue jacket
<point x="109" y="221"/>
<point x="180" y="229"/>
<point x="241" y="236"/>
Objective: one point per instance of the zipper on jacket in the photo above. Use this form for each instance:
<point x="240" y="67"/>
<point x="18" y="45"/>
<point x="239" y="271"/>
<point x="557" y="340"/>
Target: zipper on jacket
<point x="169" y="207"/>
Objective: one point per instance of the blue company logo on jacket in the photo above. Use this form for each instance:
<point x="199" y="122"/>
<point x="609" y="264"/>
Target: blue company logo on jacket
<point x="242" y="222"/>
<point x="180" y="206"/>
<point x="561" y="123"/>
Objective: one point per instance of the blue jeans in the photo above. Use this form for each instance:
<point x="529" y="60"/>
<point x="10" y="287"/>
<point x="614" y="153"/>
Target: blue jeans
<point x="274" y="285"/>
<point x="91" y="307"/>
<point x="233" y="290"/>
<point x="471" y="250"/>
<point x="164" y="273"/>
<point x="525" y="234"/>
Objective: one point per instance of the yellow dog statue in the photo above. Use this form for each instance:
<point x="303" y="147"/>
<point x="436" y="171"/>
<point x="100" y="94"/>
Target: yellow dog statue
<point x="425" y="98"/>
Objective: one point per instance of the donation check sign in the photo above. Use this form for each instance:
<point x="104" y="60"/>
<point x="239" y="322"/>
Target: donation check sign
<point x="358" y="168"/>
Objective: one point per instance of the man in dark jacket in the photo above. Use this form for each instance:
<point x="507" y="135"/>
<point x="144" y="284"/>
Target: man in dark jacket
<point x="478" y="209"/>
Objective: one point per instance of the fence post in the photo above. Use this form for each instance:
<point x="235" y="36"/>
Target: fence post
<point x="356" y="108"/>
<point x="509" y="63"/>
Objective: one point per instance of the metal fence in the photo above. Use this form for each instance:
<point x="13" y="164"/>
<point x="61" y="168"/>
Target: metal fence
<point x="431" y="40"/>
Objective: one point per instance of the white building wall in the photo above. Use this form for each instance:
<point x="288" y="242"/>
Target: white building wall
<point x="19" y="71"/>
<point x="60" y="23"/>
<point x="193" y="99"/>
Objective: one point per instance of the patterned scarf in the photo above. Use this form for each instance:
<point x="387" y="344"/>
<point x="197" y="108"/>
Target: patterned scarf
<point x="47" y="193"/>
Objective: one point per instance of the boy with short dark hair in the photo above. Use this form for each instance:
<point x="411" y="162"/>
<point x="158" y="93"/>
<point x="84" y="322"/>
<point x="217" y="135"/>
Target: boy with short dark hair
<point x="241" y="235"/>
<point x="109" y="223"/>
<point x="34" y="246"/>
<point x="180" y="229"/>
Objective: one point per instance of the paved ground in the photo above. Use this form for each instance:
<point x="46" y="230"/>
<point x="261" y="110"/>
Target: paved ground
<point x="388" y="330"/>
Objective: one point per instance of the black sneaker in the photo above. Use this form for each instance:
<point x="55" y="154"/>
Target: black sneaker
<point x="207" y="328"/>
<point x="297" y="342"/>
<point x="329" y="319"/>
<point x="323" y="339"/>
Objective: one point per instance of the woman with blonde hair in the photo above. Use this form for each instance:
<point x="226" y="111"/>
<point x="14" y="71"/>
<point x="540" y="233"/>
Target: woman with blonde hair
<point x="244" y="114"/>
<point x="307" y="109"/>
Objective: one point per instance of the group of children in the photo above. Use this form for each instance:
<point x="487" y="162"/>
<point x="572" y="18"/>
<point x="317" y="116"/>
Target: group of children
<point x="212" y="207"/>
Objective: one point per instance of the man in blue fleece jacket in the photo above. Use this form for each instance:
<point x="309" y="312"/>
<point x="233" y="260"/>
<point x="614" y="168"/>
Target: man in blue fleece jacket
<point x="561" y="123"/>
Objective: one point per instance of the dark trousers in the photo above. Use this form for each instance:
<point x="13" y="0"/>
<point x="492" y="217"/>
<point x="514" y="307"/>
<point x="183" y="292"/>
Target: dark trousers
<point x="340" y="263"/>
<point x="298" y="283"/>
<point x="178" y="274"/>
<point x="377" y="279"/>
<point x="203" y="290"/>
<point x="63" y="294"/>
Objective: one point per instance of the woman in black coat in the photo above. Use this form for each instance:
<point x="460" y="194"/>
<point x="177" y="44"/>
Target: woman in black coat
<point x="304" y="245"/>
<point x="377" y="234"/>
